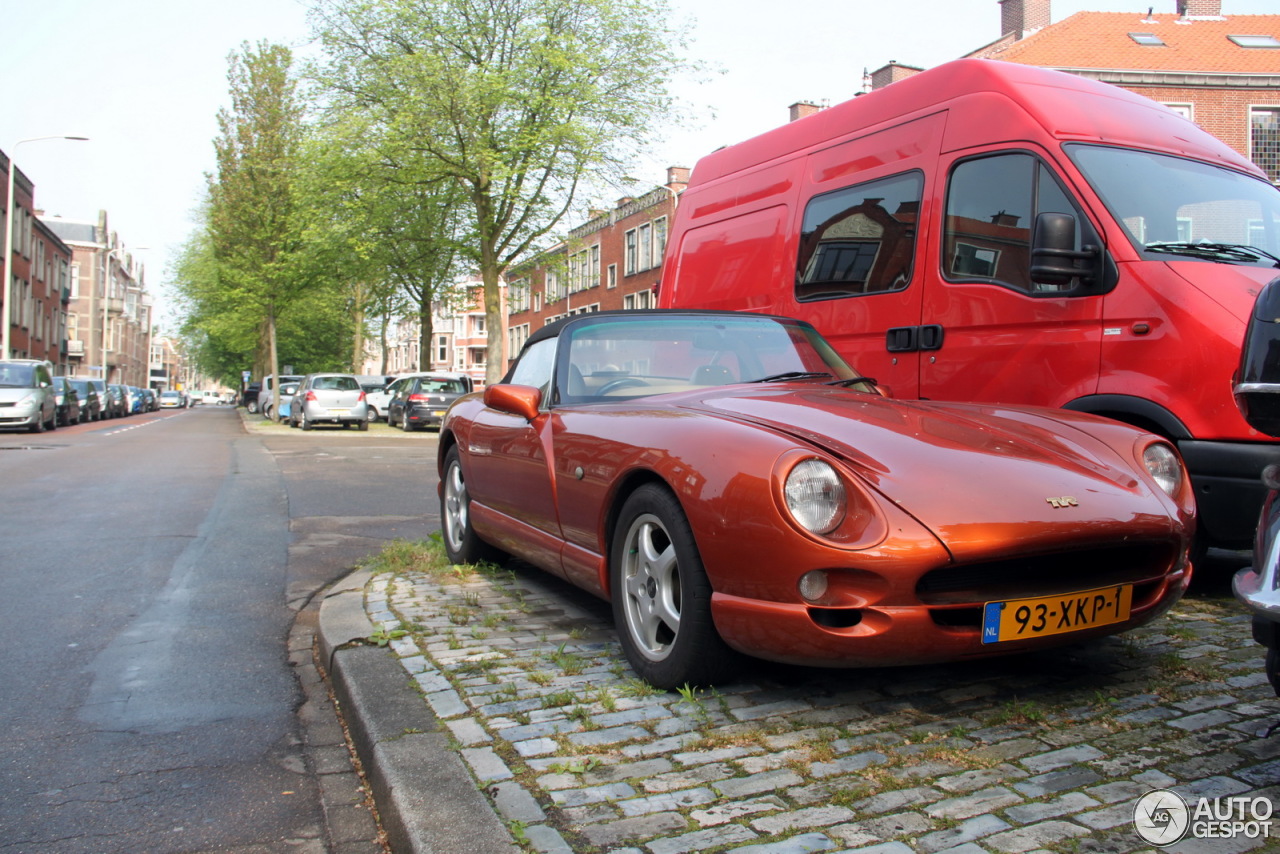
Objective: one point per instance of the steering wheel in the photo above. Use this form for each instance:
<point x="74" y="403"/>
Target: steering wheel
<point x="625" y="382"/>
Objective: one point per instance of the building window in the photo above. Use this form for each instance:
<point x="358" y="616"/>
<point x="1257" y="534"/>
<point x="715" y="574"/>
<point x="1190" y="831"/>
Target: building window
<point x="611" y="276"/>
<point x="645" y="236"/>
<point x="1147" y="39"/>
<point x="593" y="267"/>
<point x="518" y="295"/>
<point x="1264" y="140"/>
<point x="1184" y="110"/>
<point x="631" y="259"/>
<point x="442" y="349"/>
<point x="659" y="240"/>
<point x="638" y="300"/>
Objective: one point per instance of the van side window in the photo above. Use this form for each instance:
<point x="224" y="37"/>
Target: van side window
<point x="860" y="239"/>
<point x="992" y="204"/>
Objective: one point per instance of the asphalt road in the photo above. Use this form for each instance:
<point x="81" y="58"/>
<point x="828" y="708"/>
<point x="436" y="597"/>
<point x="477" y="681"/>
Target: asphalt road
<point x="152" y="570"/>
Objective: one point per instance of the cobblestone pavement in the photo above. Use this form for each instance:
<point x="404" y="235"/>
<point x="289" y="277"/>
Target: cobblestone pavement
<point x="1030" y="753"/>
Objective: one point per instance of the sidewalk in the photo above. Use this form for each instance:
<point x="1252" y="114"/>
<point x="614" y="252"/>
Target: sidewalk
<point x="507" y="718"/>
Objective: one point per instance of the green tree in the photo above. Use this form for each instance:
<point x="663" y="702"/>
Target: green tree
<point x="252" y="226"/>
<point x="523" y="105"/>
<point x="397" y="236"/>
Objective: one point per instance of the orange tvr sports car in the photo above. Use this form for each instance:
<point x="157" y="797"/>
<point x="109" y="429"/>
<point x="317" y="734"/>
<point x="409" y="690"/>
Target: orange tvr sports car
<point x="733" y="487"/>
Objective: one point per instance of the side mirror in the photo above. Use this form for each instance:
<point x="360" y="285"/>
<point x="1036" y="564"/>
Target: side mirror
<point x="522" y="400"/>
<point x="1054" y="258"/>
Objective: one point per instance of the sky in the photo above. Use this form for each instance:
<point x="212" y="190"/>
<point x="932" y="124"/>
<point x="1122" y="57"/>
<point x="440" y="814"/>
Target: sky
<point x="144" y="80"/>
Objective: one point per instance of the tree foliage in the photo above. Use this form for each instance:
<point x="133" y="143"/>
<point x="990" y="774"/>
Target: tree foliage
<point x="517" y="105"/>
<point x="255" y="289"/>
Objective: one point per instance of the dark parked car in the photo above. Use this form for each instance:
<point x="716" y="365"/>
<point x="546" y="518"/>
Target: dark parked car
<point x="121" y="399"/>
<point x="249" y="397"/>
<point x="90" y="403"/>
<point x="67" y="400"/>
<point x="112" y="407"/>
<point x="421" y="400"/>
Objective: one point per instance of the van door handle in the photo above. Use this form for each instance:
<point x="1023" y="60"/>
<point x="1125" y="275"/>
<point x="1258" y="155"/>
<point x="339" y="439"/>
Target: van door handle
<point x="902" y="339"/>
<point x="908" y="339"/>
<point x="931" y="337"/>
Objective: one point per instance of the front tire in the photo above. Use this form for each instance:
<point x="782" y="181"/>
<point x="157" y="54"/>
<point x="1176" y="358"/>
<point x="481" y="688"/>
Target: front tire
<point x="461" y="542"/>
<point x="662" y="597"/>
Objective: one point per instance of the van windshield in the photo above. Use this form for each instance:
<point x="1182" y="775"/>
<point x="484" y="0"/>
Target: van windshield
<point x="17" y="376"/>
<point x="1172" y="206"/>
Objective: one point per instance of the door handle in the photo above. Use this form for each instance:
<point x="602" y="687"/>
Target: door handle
<point x="908" y="339"/>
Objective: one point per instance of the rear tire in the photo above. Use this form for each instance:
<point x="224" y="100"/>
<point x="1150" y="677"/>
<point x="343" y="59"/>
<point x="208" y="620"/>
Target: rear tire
<point x="662" y="597"/>
<point x="405" y="425"/>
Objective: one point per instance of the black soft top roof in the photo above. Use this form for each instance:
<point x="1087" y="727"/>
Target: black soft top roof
<point x="552" y="330"/>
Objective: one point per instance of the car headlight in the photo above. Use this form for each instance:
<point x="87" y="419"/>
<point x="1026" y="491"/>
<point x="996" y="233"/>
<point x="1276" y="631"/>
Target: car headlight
<point x="815" y="496"/>
<point x="1164" y="466"/>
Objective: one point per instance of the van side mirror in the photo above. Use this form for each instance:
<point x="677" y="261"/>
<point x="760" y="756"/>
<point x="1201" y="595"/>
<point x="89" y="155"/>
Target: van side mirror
<point x="1055" y="261"/>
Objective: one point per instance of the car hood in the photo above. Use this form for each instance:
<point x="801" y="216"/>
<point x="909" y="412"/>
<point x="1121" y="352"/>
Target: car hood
<point x="984" y="479"/>
<point x="13" y="395"/>
<point x="1232" y="286"/>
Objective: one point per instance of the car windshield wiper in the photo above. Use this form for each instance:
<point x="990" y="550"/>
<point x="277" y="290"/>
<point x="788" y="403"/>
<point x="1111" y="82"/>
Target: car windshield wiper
<point x="792" y="375"/>
<point x="1215" y="251"/>
<point x="854" y="381"/>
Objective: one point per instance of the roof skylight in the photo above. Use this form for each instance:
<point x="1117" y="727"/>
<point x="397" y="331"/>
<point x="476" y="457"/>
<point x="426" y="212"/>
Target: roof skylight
<point x="1255" y="41"/>
<point x="1148" y="39"/>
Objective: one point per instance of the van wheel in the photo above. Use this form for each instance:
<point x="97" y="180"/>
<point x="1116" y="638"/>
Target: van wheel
<point x="662" y="597"/>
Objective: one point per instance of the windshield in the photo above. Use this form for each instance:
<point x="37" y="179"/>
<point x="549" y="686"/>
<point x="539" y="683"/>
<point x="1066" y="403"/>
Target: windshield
<point x="657" y="354"/>
<point x="1172" y="206"/>
<point x="17" y="376"/>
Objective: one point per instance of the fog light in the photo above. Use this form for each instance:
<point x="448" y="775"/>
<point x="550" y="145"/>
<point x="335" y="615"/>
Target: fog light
<point x="813" y="585"/>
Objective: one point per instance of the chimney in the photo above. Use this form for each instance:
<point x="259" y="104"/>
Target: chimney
<point x="1200" y="8"/>
<point x="801" y="109"/>
<point x="1021" y="18"/>
<point x="891" y="73"/>
<point x="677" y="178"/>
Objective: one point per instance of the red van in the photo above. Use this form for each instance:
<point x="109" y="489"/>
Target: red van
<point x="993" y="232"/>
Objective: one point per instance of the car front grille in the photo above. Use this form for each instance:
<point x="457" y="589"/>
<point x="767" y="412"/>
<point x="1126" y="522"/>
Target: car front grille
<point x="1045" y="575"/>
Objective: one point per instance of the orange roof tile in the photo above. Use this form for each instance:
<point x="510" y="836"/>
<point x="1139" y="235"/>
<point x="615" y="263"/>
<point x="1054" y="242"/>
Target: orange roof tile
<point x="1101" y="40"/>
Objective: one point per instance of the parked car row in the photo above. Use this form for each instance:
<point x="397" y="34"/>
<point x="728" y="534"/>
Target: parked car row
<point x="409" y="401"/>
<point x="32" y="398"/>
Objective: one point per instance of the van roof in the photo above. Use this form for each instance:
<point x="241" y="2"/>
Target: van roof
<point x="1067" y="106"/>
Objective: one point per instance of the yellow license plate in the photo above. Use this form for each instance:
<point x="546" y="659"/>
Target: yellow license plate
<point x="1020" y="619"/>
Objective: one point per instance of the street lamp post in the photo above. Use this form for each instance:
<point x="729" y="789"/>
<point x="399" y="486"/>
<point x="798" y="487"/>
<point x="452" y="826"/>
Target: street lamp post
<point x="10" y="225"/>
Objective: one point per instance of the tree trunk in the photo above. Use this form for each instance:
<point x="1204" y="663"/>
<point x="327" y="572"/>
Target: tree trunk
<point x="357" y="343"/>
<point x="426" y="331"/>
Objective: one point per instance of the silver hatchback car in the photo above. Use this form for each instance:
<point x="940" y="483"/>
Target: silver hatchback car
<point x="329" y="399"/>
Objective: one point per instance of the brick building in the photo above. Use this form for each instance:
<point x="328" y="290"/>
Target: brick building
<point x="107" y="291"/>
<point x="458" y="341"/>
<point x="612" y="261"/>
<point x="1220" y="71"/>
<point x="39" y="277"/>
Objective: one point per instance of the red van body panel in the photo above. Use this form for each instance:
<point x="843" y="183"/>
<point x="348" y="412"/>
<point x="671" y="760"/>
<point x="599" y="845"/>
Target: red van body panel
<point x="939" y="296"/>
